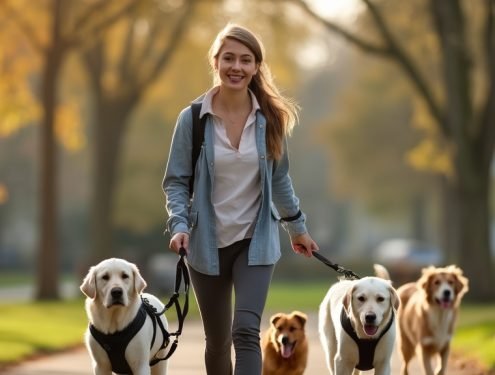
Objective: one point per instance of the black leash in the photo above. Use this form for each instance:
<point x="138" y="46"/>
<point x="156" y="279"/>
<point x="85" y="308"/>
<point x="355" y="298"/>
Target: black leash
<point x="348" y="274"/>
<point x="181" y="274"/>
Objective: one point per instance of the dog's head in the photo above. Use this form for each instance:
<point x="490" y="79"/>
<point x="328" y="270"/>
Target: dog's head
<point x="443" y="286"/>
<point x="370" y="304"/>
<point x="287" y="331"/>
<point x="113" y="282"/>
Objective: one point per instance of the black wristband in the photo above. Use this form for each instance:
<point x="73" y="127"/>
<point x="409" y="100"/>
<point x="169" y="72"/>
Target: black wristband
<point x="292" y="218"/>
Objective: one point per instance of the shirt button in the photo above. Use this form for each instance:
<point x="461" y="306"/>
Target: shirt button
<point x="262" y="156"/>
<point x="211" y="164"/>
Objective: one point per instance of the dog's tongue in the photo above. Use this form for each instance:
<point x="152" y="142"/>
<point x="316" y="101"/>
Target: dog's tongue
<point x="445" y="304"/>
<point x="370" y="330"/>
<point x="287" y="350"/>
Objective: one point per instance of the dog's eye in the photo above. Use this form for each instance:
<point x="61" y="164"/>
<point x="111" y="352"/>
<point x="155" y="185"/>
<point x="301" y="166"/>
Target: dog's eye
<point x="125" y="276"/>
<point x="292" y="329"/>
<point x="380" y="299"/>
<point x="361" y="299"/>
<point x="437" y="282"/>
<point x="105" y="277"/>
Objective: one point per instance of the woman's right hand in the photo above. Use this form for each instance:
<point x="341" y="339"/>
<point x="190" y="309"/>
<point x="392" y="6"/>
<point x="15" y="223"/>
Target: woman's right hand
<point x="179" y="240"/>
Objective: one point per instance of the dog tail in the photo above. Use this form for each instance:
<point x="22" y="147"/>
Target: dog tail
<point x="381" y="272"/>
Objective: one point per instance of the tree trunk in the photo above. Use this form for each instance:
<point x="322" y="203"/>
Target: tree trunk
<point x="48" y="254"/>
<point x="110" y="127"/>
<point x="469" y="222"/>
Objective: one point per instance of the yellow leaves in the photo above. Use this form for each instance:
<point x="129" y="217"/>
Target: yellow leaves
<point x="69" y="128"/>
<point x="430" y="156"/>
<point x="4" y="194"/>
<point x="433" y="153"/>
<point x="17" y="108"/>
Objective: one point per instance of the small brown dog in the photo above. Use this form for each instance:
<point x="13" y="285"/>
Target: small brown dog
<point x="284" y="345"/>
<point x="427" y="316"/>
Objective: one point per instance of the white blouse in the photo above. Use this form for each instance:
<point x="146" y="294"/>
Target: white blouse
<point x="236" y="189"/>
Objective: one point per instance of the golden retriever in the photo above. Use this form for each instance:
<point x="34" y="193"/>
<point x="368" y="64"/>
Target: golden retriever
<point x="284" y="345"/>
<point x="427" y="316"/>
<point x="357" y="324"/>
<point x="114" y="304"/>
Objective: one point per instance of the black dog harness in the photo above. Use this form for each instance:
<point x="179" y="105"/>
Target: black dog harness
<point x="366" y="346"/>
<point x="116" y="343"/>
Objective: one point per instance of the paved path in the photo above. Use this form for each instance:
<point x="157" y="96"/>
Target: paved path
<point x="188" y="359"/>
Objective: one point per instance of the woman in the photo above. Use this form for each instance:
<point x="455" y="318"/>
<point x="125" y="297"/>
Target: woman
<point x="242" y="190"/>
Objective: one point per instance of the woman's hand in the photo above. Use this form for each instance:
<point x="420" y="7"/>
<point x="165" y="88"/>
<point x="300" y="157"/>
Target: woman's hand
<point x="304" y="244"/>
<point x="179" y="240"/>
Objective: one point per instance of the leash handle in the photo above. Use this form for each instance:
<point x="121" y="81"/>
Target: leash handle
<point x="348" y="274"/>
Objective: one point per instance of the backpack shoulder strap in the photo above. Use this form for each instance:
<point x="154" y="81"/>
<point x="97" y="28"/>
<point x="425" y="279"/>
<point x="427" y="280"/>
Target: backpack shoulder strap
<point x="198" y="136"/>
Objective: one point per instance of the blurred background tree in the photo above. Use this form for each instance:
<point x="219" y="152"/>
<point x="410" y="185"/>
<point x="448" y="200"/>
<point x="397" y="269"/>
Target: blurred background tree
<point x="448" y="57"/>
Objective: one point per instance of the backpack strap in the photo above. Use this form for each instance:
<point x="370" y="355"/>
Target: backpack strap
<point x="198" y="136"/>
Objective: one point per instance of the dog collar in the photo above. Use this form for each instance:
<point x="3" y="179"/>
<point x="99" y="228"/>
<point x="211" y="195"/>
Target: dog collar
<point x="366" y="346"/>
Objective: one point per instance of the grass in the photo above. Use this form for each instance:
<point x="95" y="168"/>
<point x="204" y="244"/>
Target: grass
<point x="475" y="333"/>
<point x="32" y="328"/>
<point x="27" y="329"/>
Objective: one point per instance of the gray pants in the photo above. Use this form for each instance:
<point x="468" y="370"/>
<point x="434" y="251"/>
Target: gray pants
<point x="214" y="297"/>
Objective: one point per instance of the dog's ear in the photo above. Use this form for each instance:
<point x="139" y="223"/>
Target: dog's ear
<point x="88" y="286"/>
<point x="302" y="317"/>
<point x="461" y="285"/>
<point x="424" y="280"/>
<point x="274" y="319"/>
<point x="347" y="301"/>
<point x="139" y="283"/>
<point x="394" y="298"/>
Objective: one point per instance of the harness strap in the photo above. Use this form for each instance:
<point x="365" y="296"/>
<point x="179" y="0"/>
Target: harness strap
<point x="366" y="346"/>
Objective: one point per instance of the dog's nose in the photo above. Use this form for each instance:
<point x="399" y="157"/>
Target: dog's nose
<point x="446" y="294"/>
<point x="285" y="340"/>
<point x="370" y="317"/>
<point x="116" y="293"/>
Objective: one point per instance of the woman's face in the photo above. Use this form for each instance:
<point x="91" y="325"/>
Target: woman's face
<point x="235" y="65"/>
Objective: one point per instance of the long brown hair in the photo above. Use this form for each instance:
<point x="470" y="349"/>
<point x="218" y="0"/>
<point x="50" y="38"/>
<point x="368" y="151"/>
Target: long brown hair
<point x="281" y="113"/>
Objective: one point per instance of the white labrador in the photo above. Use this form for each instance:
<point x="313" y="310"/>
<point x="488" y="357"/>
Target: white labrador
<point x="114" y="289"/>
<point x="357" y="325"/>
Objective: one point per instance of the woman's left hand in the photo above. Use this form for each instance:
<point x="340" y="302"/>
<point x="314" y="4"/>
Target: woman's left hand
<point x="303" y="244"/>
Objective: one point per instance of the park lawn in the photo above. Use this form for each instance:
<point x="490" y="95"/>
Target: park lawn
<point x="39" y="327"/>
<point x="475" y="333"/>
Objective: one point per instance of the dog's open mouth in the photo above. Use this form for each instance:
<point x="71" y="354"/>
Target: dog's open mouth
<point x="444" y="303"/>
<point x="370" y="329"/>
<point x="287" y="349"/>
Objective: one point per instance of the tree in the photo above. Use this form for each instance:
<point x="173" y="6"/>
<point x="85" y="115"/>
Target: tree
<point x="135" y="62"/>
<point x="70" y="25"/>
<point x="465" y="120"/>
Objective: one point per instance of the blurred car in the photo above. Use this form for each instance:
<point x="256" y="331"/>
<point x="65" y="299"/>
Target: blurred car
<point x="404" y="258"/>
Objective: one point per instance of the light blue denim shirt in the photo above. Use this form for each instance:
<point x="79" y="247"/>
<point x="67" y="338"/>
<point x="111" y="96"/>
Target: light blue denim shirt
<point x="197" y="216"/>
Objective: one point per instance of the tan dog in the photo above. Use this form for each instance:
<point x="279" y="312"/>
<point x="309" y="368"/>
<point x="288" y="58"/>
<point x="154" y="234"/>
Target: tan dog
<point x="113" y="289"/>
<point x="284" y="345"/>
<point x="357" y="324"/>
<point x="427" y="316"/>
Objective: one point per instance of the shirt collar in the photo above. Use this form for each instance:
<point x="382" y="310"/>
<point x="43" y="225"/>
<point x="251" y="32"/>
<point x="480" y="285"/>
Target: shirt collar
<point x="207" y="106"/>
